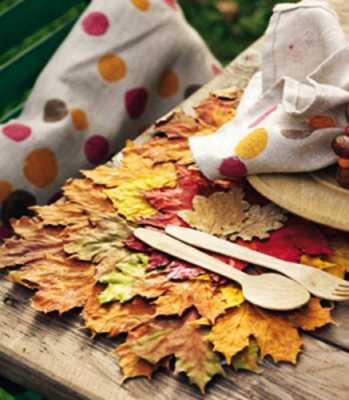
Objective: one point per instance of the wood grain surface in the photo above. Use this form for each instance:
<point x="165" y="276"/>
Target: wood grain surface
<point x="55" y="356"/>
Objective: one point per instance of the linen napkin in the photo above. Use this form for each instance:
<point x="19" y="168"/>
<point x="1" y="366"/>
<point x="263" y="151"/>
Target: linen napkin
<point x="293" y="107"/>
<point x="125" y="63"/>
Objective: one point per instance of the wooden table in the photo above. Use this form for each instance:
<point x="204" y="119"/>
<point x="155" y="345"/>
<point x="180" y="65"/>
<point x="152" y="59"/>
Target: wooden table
<point x="56" y="357"/>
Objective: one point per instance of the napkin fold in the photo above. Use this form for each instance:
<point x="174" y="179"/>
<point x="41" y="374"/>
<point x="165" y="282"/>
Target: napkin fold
<point x="293" y="107"/>
<point x="124" y="64"/>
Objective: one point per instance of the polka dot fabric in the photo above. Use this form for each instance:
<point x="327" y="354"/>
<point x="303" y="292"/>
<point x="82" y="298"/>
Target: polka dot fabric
<point x="114" y="73"/>
<point x="293" y="108"/>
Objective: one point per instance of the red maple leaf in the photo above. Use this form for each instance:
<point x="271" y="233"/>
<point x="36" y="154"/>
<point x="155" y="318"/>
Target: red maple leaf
<point x="294" y="239"/>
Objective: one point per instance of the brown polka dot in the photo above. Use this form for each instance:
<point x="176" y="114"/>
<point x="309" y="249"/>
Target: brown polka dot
<point x="40" y="167"/>
<point x="168" y="84"/>
<point x="112" y="68"/>
<point x="79" y="119"/>
<point x="5" y="190"/>
<point x="55" y="110"/>
<point x="296" y="134"/>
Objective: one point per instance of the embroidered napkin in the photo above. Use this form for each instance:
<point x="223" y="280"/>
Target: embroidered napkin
<point x="294" y="107"/>
<point x="125" y="63"/>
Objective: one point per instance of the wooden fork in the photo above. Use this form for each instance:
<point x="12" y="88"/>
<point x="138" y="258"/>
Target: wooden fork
<point x="316" y="281"/>
<point x="272" y="291"/>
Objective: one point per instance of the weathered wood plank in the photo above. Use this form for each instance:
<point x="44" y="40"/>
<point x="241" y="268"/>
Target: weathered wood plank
<point x="55" y="356"/>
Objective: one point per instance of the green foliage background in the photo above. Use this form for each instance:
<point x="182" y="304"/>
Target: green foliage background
<point x="228" y="35"/>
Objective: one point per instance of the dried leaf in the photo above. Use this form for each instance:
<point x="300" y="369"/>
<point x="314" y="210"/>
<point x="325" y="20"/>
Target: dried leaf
<point x="217" y="214"/>
<point x="180" y="125"/>
<point x="232" y="295"/>
<point x="131" y="168"/>
<point x="248" y="358"/>
<point x="128" y="198"/>
<point x="274" y="334"/>
<point x="160" y="150"/>
<point x="216" y="111"/>
<point x="311" y="316"/>
<point x="131" y="365"/>
<point x="296" y="238"/>
<point x="181" y="338"/>
<point x="38" y="242"/>
<point x="258" y="222"/>
<point x="115" y="318"/>
<point x="182" y="296"/>
<point x="96" y="241"/>
<point x="130" y="279"/>
<point x="61" y="213"/>
<point x="89" y="197"/>
<point x="61" y="283"/>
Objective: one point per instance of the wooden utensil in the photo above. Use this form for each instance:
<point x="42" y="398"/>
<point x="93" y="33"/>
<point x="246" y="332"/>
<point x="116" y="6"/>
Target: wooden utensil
<point x="272" y="291"/>
<point x="316" y="281"/>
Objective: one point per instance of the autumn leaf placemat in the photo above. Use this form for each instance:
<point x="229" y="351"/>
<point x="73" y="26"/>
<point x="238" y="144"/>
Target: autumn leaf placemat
<point x="80" y="253"/>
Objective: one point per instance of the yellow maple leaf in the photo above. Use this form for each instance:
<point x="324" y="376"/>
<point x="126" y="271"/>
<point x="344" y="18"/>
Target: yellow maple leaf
<point x="209" y="302"/>
<point x="248" y="358"/>
<point x="232" y="296"/>
<point x="128" y="197"/>
<point x="330" y="267"/>
<point x="311" y="316"/>
<point x="115" y="318"/>
<point x="274" y="334"/>
<point x="217" y="214"/>
<point x="61" y="283"/>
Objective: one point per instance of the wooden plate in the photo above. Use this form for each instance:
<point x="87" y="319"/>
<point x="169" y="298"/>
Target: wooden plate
<point x="314" y="196"/>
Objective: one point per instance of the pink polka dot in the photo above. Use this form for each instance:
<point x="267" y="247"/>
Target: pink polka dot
<point x="95" y="23"/>
<point x="216" y="69"/>
<point x="96" y="149"/>
<point x="171" y="3"/>
<point x="233" y="167"/>
<point x="135" y="102"/>
<point x="17" y="132"/>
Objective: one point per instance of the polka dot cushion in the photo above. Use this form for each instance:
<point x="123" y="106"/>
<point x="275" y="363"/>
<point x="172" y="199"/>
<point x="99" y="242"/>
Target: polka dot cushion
<point x="125" y="63"/>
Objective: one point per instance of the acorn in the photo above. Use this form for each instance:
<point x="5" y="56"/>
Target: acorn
<point x="340" y="146"/>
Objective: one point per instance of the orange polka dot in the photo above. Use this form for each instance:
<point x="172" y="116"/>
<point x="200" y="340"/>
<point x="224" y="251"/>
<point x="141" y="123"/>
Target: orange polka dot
<point x="40" y="167"/>
<point x="322" y="122"/>
<point x="253" y="144"/>
<point x="5" y="190"/>
<point x="79" y="119"/>
<point x="112" y="68"/>
<point x="142" y="5"/>
<point x="169" y="84"/>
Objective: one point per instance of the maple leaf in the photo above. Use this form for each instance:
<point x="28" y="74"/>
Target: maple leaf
<point x="182" y="296"/>
<point x="131" y="365"/>
<point x="319" y="262"/>
<point x="311" y="316"/>
<point x="36" y="242"/>
<point x="161" y="220"/>
<point x="128" y="198"/>
<point x="296" y="238"/>
<point x="89" y="197"/>
<point x="96" y="241"/>
<point x="61" y="213"/>
<point x="130" y="279"/>
<point x="218" y="213"/>
<point x="274" y="334"/>
<point x="258" y="222"/>
<point x="231" y="295"/>
<point x="216" y="110"/>
<point x="160" y="150"/>
<point x="180" y="125"/>
<point x="248" y="358"/>
<point x="115" y="318"/>
<point x="132" y="167"/>
<point x="61" y="283"/>
<point x="179" y="337"/>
